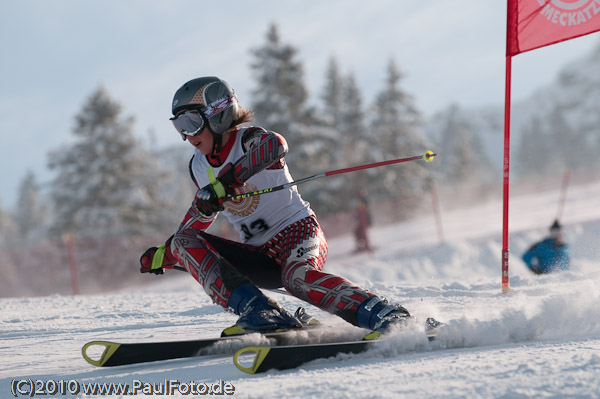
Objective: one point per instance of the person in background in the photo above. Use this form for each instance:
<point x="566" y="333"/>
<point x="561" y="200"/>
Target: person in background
<point x="281" y="242"/>
<point x="363" y="221"/>
<point x="549" y="255"/>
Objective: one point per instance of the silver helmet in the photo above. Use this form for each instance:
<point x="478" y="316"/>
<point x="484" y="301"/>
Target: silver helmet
<point x="213" y="97"/>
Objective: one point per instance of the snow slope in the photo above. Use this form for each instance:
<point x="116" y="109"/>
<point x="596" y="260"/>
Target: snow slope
<point x="542" y="340"/>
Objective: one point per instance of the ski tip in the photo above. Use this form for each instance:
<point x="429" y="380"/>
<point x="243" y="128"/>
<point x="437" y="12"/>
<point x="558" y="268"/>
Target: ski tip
<point x="233" y="331"/>
<point x="254" y="354"/>
<point x="373" y="335"/>
<point x="429" y="155"/>
<point x="109" y="349"/>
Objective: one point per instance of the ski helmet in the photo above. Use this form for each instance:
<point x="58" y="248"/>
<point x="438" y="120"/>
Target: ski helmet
<point x="215" y="99"/>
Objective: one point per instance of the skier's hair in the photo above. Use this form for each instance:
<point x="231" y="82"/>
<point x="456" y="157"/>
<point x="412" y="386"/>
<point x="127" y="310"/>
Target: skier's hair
<point x="243" y="115"/>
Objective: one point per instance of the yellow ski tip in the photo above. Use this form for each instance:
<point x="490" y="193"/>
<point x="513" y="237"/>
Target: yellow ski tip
<point x="109" y="350"/>
<point x="236" y="330"/>
<point x="372" y="336"/>
<point x="428" y="156"/>
<point x="257" y="355"/>
<point x="233" y="331"/>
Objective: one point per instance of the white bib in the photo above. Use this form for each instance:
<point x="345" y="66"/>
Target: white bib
<point x="260" y="217"/>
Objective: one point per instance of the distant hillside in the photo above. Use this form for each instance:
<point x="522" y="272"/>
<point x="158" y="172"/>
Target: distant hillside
<point x="557" y="127"/>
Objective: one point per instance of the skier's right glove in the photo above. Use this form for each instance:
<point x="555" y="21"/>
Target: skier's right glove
<point x="155" y="259"/>
<point x="151" y="261"/>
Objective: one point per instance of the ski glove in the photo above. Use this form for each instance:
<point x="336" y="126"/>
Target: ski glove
<point x="152" y="260"/>
<point x="209" y="198"/>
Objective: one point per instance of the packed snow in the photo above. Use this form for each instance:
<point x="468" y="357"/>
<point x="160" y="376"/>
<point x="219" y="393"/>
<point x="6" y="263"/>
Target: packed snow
<point x="541" y="340"/>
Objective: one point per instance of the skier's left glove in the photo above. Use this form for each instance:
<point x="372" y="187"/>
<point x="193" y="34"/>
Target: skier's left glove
<point x="209" y="198"/>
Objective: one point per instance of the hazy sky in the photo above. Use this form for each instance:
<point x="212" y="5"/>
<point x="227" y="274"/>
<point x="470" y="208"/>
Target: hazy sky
<point x="56" y="53"/>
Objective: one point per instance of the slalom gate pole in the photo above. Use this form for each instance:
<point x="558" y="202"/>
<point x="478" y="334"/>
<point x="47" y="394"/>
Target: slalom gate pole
<point x="428" y="157"/>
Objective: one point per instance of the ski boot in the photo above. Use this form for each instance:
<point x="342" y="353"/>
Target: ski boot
<point x="258" y="313"/>
<point x="378" y="316"/>
<point x="432" y="326"/>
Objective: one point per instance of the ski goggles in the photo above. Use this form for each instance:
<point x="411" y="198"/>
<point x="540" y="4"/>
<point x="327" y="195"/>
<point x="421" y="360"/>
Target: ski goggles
<point x="190" y="123"/>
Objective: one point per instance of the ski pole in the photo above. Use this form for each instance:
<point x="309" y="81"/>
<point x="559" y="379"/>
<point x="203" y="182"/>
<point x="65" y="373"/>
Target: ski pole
<point x="428" y="157"/>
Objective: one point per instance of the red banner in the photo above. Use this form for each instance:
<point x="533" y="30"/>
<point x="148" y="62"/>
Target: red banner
<point x="536" y="23"/>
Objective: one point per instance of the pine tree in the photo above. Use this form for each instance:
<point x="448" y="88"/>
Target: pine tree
<point x="394" y="134"/>
<point x="331" y="193"/>
<point x="280" y="105"/>
<point x="106" y="183"/>
<point x="279" y="99"/>
<point x="551" y="143"/>
<point x="333" y="95"/>
<point x="463" y="162"/>
<point x="343" y="113"/>
<point x="534" y="150"/>
<point x="31" y="213"/>
<point x="355" y="138"/>
<point x="569" y="148"/>
<point x="8" y="230"/>
<point x="8" y="242"/>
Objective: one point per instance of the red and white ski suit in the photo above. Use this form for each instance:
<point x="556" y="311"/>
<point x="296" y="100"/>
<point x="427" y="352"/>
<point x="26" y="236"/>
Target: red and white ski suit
<point x="282" y="244"/>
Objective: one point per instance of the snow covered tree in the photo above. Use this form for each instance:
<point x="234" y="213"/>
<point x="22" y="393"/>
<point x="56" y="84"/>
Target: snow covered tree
<point x="280" y="104"/>
<point x="279" y="99"/>
<point x="8" y="230"/>
<point x="331" y="192"/>
<point x="343" y="112"/>
<point x="562" y="126"/>
<point x="355" y="137"/>
<point x="31" y="212"/>
<point x="554" y="142"/>
<point x="532" y="150"/>
<point x="573" y="144"/>
<point x="106" y="183"/>
<point x="394" y="133"/>
<point x="463" y="161"/>
<point x="333" y="95"/>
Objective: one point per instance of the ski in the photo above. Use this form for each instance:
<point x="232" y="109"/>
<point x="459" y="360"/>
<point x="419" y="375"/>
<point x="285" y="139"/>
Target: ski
<point x="119" y="354"/>
<point x="287" y="349"/>
<point x="264" y="358"/>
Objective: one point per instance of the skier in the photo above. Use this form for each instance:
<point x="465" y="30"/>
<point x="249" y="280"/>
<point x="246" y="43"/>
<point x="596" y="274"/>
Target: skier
<point x="550" y="254"/>
<point x="363" y="221"/>
<point x="281" y="244"/>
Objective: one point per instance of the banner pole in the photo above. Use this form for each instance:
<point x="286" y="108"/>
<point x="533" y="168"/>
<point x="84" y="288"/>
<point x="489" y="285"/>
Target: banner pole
<point x="506" y="180"/>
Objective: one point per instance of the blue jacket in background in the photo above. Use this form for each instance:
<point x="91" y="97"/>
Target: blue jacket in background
<point x="547" y="256"/>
